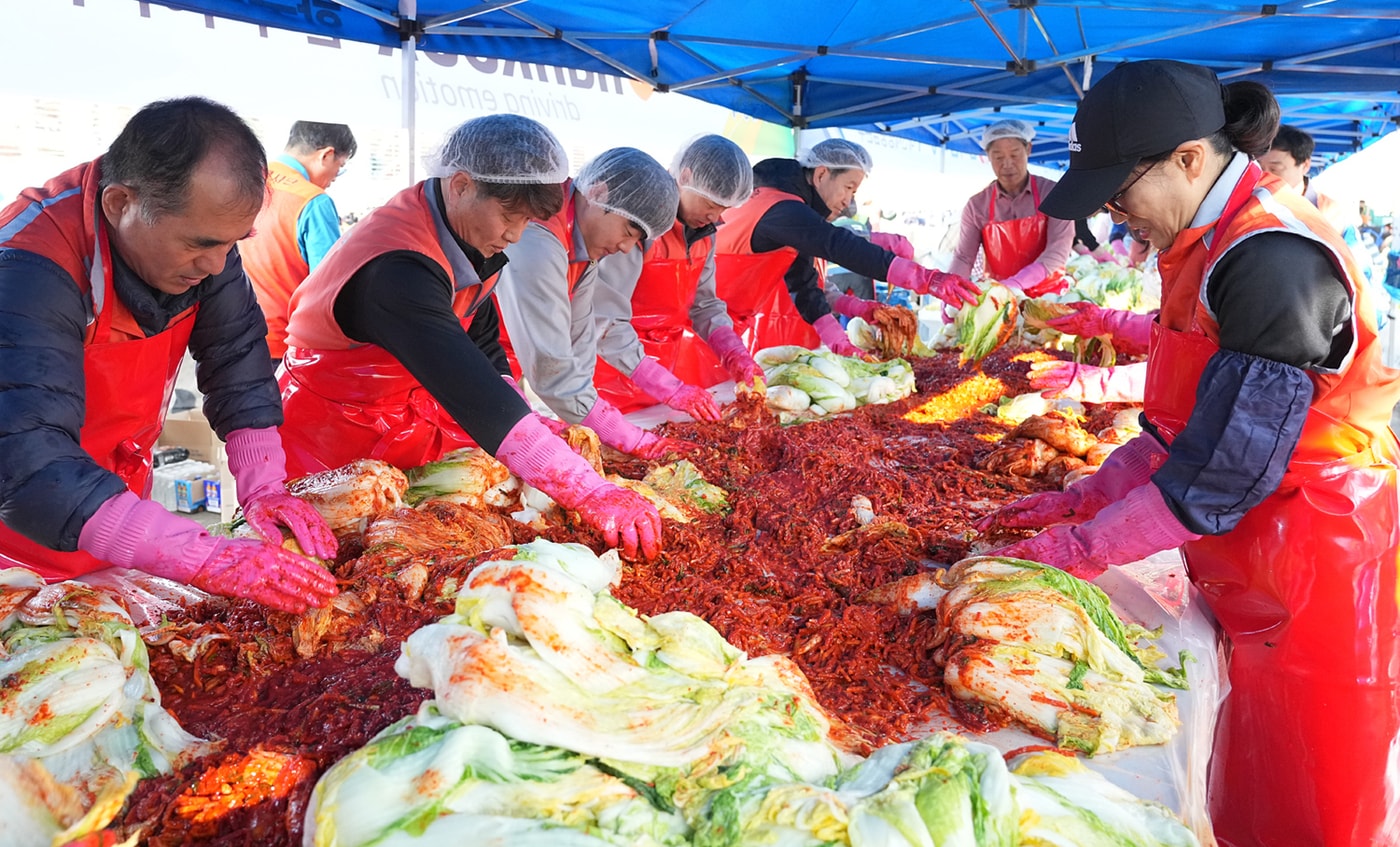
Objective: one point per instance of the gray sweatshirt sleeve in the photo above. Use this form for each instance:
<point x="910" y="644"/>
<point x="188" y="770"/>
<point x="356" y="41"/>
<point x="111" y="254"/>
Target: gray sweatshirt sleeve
<point x="552" y="334"/>
<point x="618" y="344"/>
<point x="707" y="311"/>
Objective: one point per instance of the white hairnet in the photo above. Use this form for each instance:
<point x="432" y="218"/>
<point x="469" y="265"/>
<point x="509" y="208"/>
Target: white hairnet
<point x="837" y="154"/>
<point x="715" y="168"/>
<point x="633" y="185"/>
<point x="1007" y="129"/>
<point x="502" y="148"/>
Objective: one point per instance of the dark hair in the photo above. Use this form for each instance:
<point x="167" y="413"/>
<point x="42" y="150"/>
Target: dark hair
<point x="1251" y="122"/>
<point x="1295" y="143"/>
<point x="538" y="200"/>
<point x="309" y="136"/>
<point x="159" y="149"/>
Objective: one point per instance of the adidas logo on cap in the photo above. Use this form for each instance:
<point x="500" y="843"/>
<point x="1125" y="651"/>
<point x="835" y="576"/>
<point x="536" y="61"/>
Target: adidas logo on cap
<point x="1074" y="145"/>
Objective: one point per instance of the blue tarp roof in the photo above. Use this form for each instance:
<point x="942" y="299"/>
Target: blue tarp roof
<point x="932" y="70"/>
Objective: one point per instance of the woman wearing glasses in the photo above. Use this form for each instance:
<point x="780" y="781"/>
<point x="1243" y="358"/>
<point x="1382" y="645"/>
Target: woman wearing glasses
<point x="1268" y="455"/>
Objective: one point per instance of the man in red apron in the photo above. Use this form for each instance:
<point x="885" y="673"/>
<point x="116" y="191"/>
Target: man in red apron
<point x="1021" y="247"/>
<point x="108" y="273"/>
<point x="660" y="321"/>
<point x="393" y="349"/>
<point x="1268" y="456"/>
<point x="620" y="198"/>
<point x="785" y="230"/>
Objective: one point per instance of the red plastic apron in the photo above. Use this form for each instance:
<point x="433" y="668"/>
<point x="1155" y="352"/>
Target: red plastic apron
<point x="1307" y="747"/>
<point x="1008" y="246"/>
<point x="661" y="317"/>
<point x="752" y="286"/>
<point x="128" y="383"/>
<point x="380" y="411"/>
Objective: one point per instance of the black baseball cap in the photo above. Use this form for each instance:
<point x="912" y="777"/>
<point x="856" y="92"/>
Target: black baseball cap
<point x="1138" y="109"/>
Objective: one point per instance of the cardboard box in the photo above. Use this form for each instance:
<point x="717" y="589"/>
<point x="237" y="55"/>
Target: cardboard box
<point x="189" y="495"/>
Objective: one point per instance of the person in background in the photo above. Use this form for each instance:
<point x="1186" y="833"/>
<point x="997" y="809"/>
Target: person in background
<point x="713" y="174"/>
<point x="790" y="212"/>
<point x="108" y="274"/>
<point x="1267" y="454"/>
<point x="619" y="199"/>
<point x="1390" y="248"/>
<point x="1021" y="247"/>
<point x="299" y="223"/>
<point x="391" y="339"/>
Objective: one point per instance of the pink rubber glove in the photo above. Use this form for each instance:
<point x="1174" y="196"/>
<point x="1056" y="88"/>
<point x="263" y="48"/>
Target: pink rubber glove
<point x="653" y="378"/>
<point x="746" y="373"/>
<point x="1090" y="384"/>
<point x="133" y="533"/>
<point x="950" y="288"/>
<point x="1028" y="277"/>
<point x="619" y="433"/>
<point x="1132" y="529"/>
<point x="893" y="242"/>
<point x="834" y="337"/>
<point x="543" y="460"/>
<point x="1127" y="468"/>
<point x="554" y="425"/>
<point x="259" y="467"/>
<point x="1130" y="331"/>
<point x="855" y="307"/>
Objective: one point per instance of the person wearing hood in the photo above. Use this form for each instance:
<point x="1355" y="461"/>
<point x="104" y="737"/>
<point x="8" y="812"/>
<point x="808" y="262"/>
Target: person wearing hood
<point x="1022" y="248"/>
<point x="621" y="198"/>
<point x="644" y="301"/>
<point x="1266" y="456"/>
<point x="393" y="351"/>
<point x="109" y="273"/>
<point x="789" y="217"/>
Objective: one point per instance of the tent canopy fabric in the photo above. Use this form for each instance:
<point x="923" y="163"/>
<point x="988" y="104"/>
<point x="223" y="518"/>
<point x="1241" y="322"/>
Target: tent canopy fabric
<point x="931" y="70"/>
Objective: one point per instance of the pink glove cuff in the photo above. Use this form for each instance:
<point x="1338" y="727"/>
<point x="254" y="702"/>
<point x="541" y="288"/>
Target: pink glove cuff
<point x="1032" y="274"/>
<point x="907" y="274"/>
<point x="652" y="377"/>
<point x="1145" y="513"/>
<point x="726" y="342"/>
<point x="130" y="532"/>
<point x="855" y="307"/>
<point x="1127" y="468"/>
<point x="545" y="461"/>
<point x="257" y="462"/>
<point x="1130" y="328"/>
<point x="830" y="332"/>
<point x="613" y="429"/>
<point x="893" y="242"/>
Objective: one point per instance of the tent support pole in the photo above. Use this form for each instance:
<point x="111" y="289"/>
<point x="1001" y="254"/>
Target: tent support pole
<point x="408" y="99"/>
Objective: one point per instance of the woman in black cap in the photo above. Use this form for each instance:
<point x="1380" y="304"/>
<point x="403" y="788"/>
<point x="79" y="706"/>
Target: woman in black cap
<point x="1267" y="454"/>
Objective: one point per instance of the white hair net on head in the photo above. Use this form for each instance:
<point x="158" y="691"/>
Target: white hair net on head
<point x="632" y="184"/>
<point x="1007" y="129"/>
<point x="502" y="148"/>
<point x="715" y="168"/>
<point x="837" y="154"/>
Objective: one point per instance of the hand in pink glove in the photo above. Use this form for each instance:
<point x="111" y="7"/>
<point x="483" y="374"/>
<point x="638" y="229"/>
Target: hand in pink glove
<point x="133" y="533"/>
<point x="1026" y="278"/>
<point x="834" y="337"/>
<point x="1090" y="384"/>
<point x="893" y="242"/>
<point x="554" y="425"/>
<point x="259" y="468"/>
<point x="1127" y="468"/>
<point x="1132" y="529"/>
<point x="621" y="434"/>
<point x="747" y="375"/>
<point x="653" y="378"/>
<point x="855" y="307"/>
<point x="1130" y="331"/>
<point x="546" y="462"/>
<point x="950" y="288"/>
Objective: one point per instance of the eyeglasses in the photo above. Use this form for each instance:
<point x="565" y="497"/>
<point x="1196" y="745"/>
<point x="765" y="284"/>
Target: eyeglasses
<point x="1114" y="204"/>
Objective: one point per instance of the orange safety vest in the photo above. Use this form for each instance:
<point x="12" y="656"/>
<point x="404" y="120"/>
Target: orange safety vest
<point x="661" y="317"/>
<point x="344" y="400"/>
<point x="561" y="226"/>
<point x="127" y="377"/>
<point x="752" y="285"/>
<point x="272" y="257"/>
<point x="1305" y="585"/>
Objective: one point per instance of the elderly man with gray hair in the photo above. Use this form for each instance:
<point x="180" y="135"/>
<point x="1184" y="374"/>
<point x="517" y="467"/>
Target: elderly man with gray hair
<point x="1022" y="248"/>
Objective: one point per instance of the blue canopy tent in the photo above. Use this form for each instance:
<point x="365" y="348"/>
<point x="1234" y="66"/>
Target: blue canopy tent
<point x="931" y="70"/>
